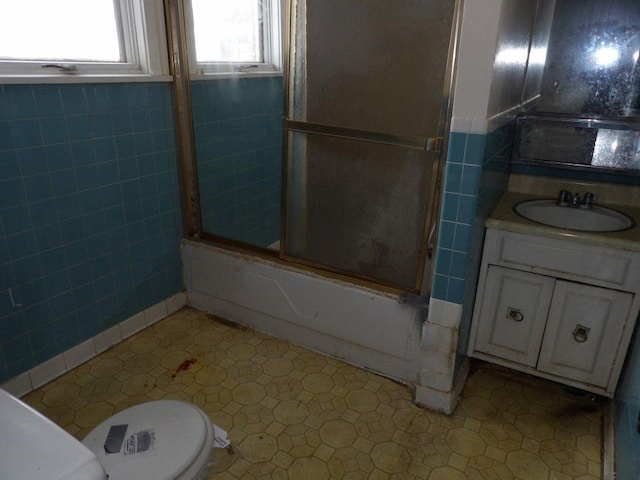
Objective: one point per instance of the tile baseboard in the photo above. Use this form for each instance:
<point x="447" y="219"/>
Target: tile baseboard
<point x="85" y="351"/>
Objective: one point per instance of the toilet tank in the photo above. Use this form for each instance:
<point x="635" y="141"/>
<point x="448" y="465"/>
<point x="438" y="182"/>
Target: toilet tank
<point x="35" y="448"/>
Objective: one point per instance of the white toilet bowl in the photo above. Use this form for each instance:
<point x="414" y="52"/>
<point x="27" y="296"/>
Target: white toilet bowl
<point x="176" y="444"/>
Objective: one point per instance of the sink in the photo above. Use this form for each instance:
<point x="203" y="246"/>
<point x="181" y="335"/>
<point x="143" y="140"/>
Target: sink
<point x="596" y="219"/>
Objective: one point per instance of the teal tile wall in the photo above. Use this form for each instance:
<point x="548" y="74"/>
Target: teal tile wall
<point x="465" y="160"/>
<point x="493" y="182"/>
<point x="238" y="134"/>
<point x="476" y="176"/>
<point x="90" y="219"/>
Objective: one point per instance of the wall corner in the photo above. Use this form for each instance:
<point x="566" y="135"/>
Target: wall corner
<point x="439" y="384"/>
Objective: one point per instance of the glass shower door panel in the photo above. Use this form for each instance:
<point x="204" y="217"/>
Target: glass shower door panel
<point x="371" y="65"/>
<point x="357" y="207"/>
<point x="238" y="140"/>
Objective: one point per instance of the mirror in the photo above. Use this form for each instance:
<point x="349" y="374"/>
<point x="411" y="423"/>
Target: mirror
<point x="582" y="90"/>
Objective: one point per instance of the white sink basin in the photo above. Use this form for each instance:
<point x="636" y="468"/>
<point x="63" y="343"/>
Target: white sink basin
<point x="596" y="219"/>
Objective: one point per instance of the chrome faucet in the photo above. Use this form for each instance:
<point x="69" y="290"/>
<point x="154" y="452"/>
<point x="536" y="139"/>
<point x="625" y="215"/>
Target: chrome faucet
<point x="567" y="199"/>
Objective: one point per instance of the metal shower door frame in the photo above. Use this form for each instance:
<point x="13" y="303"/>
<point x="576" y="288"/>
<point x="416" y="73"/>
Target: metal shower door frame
<point x="436" y="144"/>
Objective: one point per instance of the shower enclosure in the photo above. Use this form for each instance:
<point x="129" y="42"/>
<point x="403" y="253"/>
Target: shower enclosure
<point x="364" y="122"/>
<point x="366" y="102"/>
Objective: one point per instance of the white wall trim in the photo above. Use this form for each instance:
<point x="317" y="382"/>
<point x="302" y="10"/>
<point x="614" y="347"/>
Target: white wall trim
<point x="478" y="42"/>
<point x="469" y="124"/>
<point x="75" y="356"/>
<point x="437" y="388"/>
<point x="444" y="313"/>
<point x="479" y="125"/>
<point x="443" y="401"/>
<point x="57" y="79"/>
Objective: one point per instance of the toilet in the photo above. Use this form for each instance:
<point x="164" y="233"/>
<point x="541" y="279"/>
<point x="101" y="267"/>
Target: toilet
<point x="160" y="440"/>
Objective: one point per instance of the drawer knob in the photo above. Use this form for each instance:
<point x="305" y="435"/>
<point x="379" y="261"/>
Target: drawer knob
<point x="514" y="314"/>
<point x="581" y="333"/>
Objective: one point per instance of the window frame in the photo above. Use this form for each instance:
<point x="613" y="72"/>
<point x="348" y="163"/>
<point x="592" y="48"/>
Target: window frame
<point x="271" y="43"/>
<point x="141" y="28"/>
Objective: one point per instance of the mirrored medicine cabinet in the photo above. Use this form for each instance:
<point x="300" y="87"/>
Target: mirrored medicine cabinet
<point x="581" y="93"/>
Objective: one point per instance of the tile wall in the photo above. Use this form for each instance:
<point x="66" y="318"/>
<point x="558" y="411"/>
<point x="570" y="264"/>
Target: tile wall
<point x="238" y="132"/>
<point x="493" y="182"/>
<point x="89" y="213"/>
<point x="465" y="160"/>
<point x="476" y="176"/>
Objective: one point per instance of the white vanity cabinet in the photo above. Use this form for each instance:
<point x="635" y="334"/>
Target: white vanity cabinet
<point x="555" y="308"/>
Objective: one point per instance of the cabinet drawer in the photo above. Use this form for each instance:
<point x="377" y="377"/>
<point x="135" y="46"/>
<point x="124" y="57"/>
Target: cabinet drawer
<point x="617" y="269"/>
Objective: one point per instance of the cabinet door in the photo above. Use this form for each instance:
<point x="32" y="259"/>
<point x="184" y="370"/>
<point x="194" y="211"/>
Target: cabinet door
<point x="513" y="314"/>
<point x="583" y="332"/>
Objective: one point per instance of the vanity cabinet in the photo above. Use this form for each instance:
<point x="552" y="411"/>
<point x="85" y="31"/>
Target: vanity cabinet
<point x="543" y="308"/>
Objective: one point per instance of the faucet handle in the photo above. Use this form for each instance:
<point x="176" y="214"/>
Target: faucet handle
<point x="563" y="197"/>
<point x="587" y="200"/>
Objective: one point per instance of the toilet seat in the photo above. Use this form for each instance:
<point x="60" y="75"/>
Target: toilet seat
<point x="181" y="451"/>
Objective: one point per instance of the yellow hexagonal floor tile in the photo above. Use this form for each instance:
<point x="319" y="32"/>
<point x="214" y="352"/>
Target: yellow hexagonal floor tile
<point x="293" y="414"/>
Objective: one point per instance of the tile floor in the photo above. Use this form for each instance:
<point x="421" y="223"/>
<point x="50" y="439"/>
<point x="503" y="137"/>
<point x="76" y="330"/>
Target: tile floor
<point x="294" y="414"/>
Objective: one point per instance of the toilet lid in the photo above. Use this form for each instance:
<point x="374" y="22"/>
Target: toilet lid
<point x="162" y="440"/>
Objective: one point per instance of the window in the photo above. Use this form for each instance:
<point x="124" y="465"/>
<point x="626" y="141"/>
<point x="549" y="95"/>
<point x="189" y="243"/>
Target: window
<point x="80" y="37"/>
<point x="234" y="35"/>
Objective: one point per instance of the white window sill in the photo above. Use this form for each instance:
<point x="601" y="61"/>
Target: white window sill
<point x="223" y="75"/>
<point x="79" y="78"/>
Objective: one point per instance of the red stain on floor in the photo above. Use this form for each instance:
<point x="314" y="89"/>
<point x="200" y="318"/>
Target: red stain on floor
<point x="184" y="366"/>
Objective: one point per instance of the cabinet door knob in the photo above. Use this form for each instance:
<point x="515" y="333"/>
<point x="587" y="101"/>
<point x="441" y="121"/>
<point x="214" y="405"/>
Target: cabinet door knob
<point x="514" y="314"/>
<point x="581" y="333"/>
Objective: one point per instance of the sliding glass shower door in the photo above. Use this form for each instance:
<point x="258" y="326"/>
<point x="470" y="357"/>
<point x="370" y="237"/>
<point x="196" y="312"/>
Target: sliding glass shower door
<point x="364" y="114"/>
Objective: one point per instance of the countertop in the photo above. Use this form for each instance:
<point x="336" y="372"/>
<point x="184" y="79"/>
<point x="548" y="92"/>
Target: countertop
<point x="503" y="217"/>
